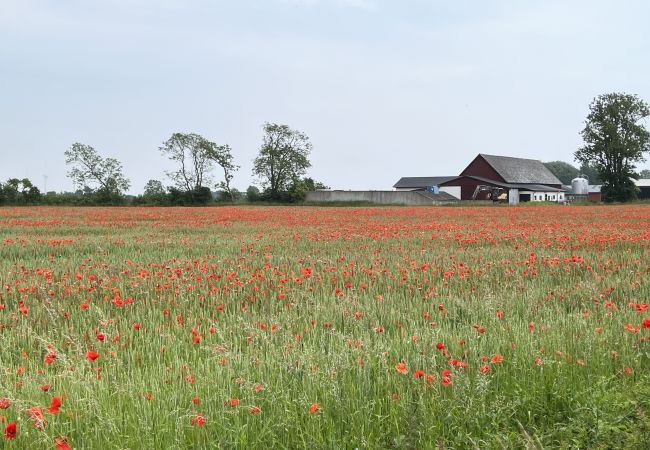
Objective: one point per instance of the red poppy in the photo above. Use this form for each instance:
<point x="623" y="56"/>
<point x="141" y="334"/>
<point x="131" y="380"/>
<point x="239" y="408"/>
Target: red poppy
<point x="49" y="358"/>
<point x="45" y="387"/>
<point x="91" y="356"/>
<point x="401" y="368"/>
<point x="255" y="410"/>
<point x="646" y="323"/>
<point x="55" y="405"/>
<point x="198" y="420"/>
<point x="10" y="430"/>
<point x="485" y="369"/>
<point x="314" y="408"/>
<point x="418" y="374"/>
<point x="137" y="326"/>
<point x="446" y="381"/>
<point x="4" y="403"/>
<point x="496" y="359"/>
<point x="440" y="346"/>
<point x="36" y="414"/>
<point x="61" y="443"/>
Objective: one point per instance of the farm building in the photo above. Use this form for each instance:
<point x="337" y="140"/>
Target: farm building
<point x="644" y="187"/>
<point x="496" y="178"/>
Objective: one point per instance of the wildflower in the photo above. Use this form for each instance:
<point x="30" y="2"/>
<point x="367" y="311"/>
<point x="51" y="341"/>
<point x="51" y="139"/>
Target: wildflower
<point x="531" y="326"/>
<point x="4" y="403"/>
<point x="55" y="405"/>
<point x="91" y="356"/>
<point x="49" y="358"/>
<point x="137" y="326"/>
<point x="496" y="359"/>
<point x="314" y="408"/>
<point x="401" y="368"/>
<point x="440" y="346"/>
<point x="418" y="374"/>
<point x="255" y="410"/>
<point x="446" y="381"/>
<point x="485" y="369"/>
<point x="36" y="414"/>
<point x="232" y="403"/>
<point x="198" y="420"/>
<point x="10" y="430"/>
<point x="646" y="323"/>
<point x="61" y="443"/>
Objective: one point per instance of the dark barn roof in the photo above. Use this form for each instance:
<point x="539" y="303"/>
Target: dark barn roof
<point x="517" y="170"/>
<point x="521" y="186"/>
<point x="420" y="182"/>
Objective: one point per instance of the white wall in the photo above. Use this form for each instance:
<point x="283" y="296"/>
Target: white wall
<point x="451" y="190"/>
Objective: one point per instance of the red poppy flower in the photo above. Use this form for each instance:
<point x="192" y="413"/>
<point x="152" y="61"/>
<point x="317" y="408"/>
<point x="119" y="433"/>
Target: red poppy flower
<point x="55" y="405"/>
<point x="36" y="414"/>
<point x="418" y="374"/>
<point x="10" y="430"/>
<point x="255" y="410"/>
<point x="61" y="443"/>
<point x="137" y="326"/>
<point x="314" y="408"/>
<point x="198" y="420"/>
<point x="446" y="381"/>
<point x="49" y="358"/>
<point x="496" y="359"/>
<point x="646" y="323"/>
<point x="91" y="356"/>
<point x="4" y="403"/>
<point x="401" y="368"/>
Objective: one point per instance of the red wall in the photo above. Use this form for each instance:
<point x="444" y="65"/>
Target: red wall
<point x="467" y="187"/>
<point x="480" y="168"/>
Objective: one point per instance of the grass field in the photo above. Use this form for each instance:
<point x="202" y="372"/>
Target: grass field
<point x="318" y="328"/>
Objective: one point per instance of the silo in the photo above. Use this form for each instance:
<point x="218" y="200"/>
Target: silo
<point x="580" y="186"/>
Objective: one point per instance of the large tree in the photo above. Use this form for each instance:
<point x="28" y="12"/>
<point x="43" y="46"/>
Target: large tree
<point x="615" y="140"/>
<point x="282" y="160"/>
<point x="564" y="172"/>
<point x="89" y="170"/>
<point x="196" y="157"/>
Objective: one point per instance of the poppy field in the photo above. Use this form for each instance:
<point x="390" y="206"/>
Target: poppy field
<point x="299" y="327"/>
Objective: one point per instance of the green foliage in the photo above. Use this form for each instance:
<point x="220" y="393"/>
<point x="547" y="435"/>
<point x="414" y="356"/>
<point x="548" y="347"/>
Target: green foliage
<point x="565" y="172"/>
<point x="282" y="160"/>
<point x="195" y="197"/>
<point x="19" y="192"/>
<point x="615" y="141"/>
<point x="645" y="173"/>
<point x="196" y="157"/>
<point x="253" y="194"/>
<point x="590" y="173"/>
<point x="104" y="176"/>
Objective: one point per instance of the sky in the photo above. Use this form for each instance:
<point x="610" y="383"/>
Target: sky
<point x="384" y="89"/>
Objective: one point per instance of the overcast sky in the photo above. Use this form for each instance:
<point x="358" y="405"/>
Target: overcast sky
<point x="384" y="89"/>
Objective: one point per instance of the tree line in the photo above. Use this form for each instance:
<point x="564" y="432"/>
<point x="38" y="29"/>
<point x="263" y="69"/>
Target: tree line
<point x="280" y="168"/>
<point x="615" y="141"/>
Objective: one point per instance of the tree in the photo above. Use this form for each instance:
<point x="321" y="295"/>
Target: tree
<point x="103" y="175"/>
<point x="18" y="192"/>
<point x="615" y="140"/>
<point x="564" y="172"/>
<point x="590" y="173"/>
<point x="252" y="194"/>
<point x="196" y="157"/>
<point x="154" y="193"/>
<point x="645" y="173"/>
<point x="282" y="160"/>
